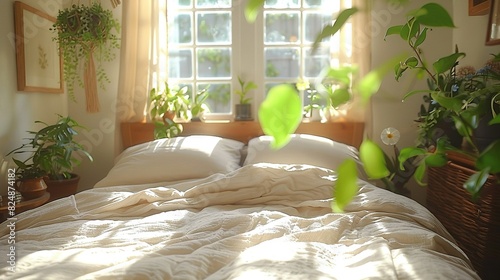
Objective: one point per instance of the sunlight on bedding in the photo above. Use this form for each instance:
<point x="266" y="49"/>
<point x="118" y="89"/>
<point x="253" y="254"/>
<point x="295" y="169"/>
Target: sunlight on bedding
<point x="261" y="221"/>
<point x="283" y="259"/>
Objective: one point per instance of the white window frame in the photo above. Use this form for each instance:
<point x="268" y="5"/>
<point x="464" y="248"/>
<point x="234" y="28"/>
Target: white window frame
<point x="248" y="58"/>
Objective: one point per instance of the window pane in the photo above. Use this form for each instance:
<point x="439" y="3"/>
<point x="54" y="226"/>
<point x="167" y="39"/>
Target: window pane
<point x="180" y="64"/>
<point x="281" y="27"/>
<point x="315" y="3"/>
<point x="213" y="3"/>
<point x="282" y="62"/>
<point x="314" y="23"/>
<point x="214" y="27"/>
<point x="219" y="97"/>
<point x="316" y="62"/>
<point x="179" y="30"/>
<point x="214" y="62"/>
<point x="184" y="3"/>
<point x="282" y="3"/>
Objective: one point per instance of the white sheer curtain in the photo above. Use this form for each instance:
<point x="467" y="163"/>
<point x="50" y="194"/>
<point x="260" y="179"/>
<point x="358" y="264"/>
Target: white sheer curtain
<point x="361" y="55"/>
<point x="144" y="55"/>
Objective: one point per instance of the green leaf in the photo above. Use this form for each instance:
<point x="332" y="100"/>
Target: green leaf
<point x="413" y="92"/>
<point x="476" y="181"/>
<point x="346" y="186"/>
<point x="436" y="160"/>
<point x="407" y="153"/>
<point x="341" y="74"/>
<point x="330" y="30"/>
<point x="411" y="62"/>
<point x="444" y="64"/>
<point x="420" y="173"/>
<point x="393" y="30"/>
<point x="405" y="32"/>
<point x="371" y="82"/>
<point x="399" y="70"/>
<point x="462" y="127"/>
<point x="434" y="15"/>
<point x="489" y="158"/>
<point x="252" y="9"/>
<point x="495" y="120"/>
<point x="339" y="97"/>
<point x="449" y="103"/>
<point x="421" y="38"/>
<point x="443" y="145"/>
<point x="280" y="114"/>
<point x="373" y="160"/>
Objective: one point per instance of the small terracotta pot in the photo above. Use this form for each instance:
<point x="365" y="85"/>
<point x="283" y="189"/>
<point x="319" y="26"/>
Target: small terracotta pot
<point x="32" y="188"/>
<point x="62" y="188"/>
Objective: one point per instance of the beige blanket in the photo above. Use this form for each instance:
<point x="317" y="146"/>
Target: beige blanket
<point x="260" y="222"/>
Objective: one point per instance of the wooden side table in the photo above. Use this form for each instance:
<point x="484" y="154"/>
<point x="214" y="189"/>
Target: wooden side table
<point x="22" y="204"/>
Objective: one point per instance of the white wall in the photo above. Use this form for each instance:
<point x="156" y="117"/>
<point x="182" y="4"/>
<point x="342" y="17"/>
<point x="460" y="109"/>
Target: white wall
<point x="19" y="110"/>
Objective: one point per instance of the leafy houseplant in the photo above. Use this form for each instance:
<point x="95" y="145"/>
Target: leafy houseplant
<point x="84" y="33"/>
<point x="244" y="108"/>
<point x="167" y="105"/>
<point x="465" y="100"/>
<point x="312" y="109"/>
<point x="51" y="151"/>
<point x="198" y="106"/>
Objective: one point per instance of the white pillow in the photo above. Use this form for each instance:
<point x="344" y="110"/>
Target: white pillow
<point x="174" y="159"/>
<point x="302" y="149"/>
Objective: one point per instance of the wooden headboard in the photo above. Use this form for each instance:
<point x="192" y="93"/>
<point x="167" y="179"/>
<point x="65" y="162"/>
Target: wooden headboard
<point x="350" y="133"/>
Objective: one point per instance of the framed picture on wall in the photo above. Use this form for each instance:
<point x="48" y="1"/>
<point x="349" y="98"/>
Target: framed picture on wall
<point x="493" y="31"/>
<point x="39" y="64"/>
<point x="479" y="7"/>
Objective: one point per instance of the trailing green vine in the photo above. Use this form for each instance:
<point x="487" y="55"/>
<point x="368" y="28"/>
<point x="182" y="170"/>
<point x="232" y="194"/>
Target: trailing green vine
<point x="82" y="32"/>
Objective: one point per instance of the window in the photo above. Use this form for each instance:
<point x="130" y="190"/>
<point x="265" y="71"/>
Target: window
<point x="210" y="44"/>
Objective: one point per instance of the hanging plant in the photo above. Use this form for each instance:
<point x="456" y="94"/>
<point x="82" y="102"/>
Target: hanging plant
<point x="84" y="33"/>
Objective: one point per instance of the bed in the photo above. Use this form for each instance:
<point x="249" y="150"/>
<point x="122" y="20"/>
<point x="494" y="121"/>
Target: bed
<point x="228" y="209"/>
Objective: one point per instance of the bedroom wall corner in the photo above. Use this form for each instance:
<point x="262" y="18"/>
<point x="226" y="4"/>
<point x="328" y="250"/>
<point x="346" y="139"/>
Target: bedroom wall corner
<point x="19" y="110"/>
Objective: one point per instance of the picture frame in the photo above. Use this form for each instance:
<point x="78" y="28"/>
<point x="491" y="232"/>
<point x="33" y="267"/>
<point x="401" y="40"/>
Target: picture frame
<point x="479" y="7"/>
<point x="38" y="59"/>
<point x="493" y="30"/>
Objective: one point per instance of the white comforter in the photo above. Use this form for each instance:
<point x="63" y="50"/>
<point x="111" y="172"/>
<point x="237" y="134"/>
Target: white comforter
<point x="260" y="222"/>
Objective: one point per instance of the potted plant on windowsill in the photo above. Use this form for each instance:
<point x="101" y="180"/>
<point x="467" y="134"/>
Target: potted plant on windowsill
<point x="166" y="108"/>
<point x="197" y="106"/>
<point x="52" y="155"/>
<point x="244" y="107"/>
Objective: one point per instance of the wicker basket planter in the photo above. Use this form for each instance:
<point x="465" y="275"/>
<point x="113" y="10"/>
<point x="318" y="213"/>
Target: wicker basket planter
<point x="475" y="225"/>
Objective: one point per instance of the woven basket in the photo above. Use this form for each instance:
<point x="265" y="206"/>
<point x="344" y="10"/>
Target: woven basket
<point x="475" y="225"/>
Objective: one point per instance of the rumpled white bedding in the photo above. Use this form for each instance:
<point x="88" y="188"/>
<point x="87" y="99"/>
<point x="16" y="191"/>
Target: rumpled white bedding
<point x="262" y="221"/>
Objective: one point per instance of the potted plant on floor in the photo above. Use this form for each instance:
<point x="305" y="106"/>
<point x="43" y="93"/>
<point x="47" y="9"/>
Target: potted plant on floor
<point x="244" y="107"/>
<point x="464" y="98"/>
<point x="464" y="181"/>
<point x="166" y="107"/>
<point x="53" y="155"/>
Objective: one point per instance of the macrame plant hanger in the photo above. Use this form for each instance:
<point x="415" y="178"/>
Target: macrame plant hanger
<point x="90" y="75"/>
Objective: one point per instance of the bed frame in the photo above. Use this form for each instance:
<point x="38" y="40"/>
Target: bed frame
<point x="350" y="133"/>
